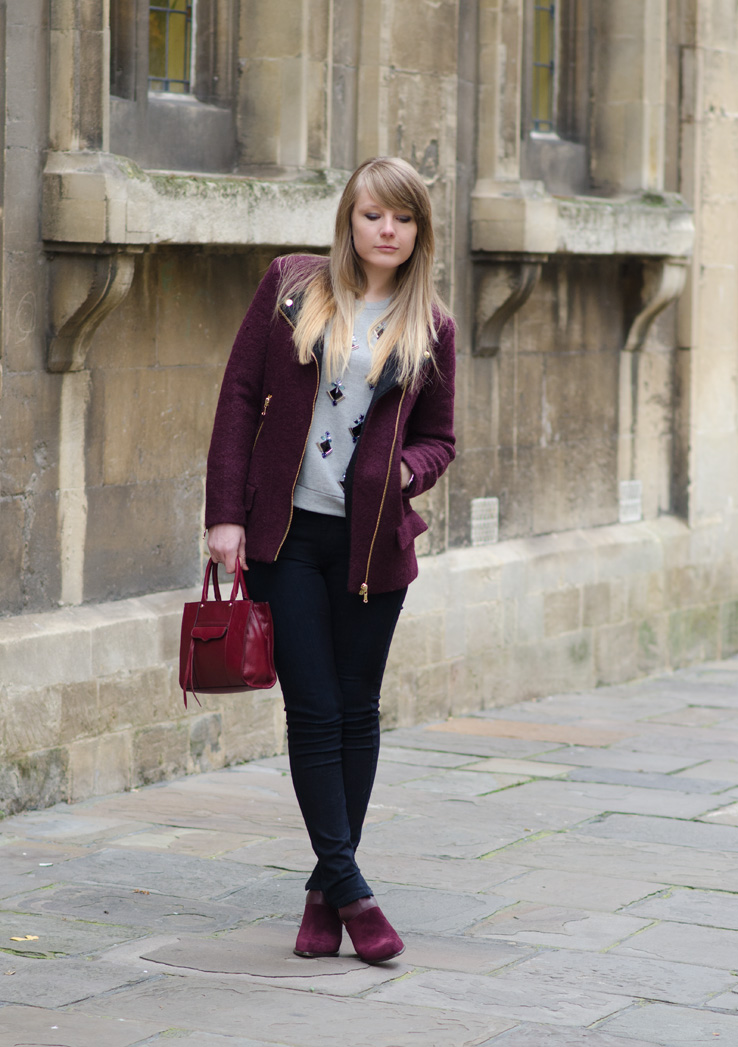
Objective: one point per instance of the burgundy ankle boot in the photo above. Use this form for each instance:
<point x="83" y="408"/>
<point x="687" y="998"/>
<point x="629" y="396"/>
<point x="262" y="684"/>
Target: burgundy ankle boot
<point x="375" y="939"/>
<point x="320" y="931"/>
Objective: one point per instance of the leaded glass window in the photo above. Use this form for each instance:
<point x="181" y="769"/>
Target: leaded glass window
<point x="170" y="46"/>
<point x="544" y="68"/>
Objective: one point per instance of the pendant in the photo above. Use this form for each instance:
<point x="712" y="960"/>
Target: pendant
<point x="325" y="444"/>
<point x="336" y="393"/>
<point x="356" y="428"/>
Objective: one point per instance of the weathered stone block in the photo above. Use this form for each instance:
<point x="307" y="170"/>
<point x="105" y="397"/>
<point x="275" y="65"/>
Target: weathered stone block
<point x="253" y="725"/>
<point x="693" y="635"/>
<point x="651" y="645"/>
<point x="135" y="697"/>
<point x="205" y="742"/>
<point x="79" y="714"/>
<point x="141" y="537"/>
<point x="729" y="623"/>
<point x="596" y="604"/>
<point x="39" y="779"/>
<point x="615" y="653"/>
<point x="562" y="612"/>
<point x="100" y="765"/>
<point x="160" y="752"/>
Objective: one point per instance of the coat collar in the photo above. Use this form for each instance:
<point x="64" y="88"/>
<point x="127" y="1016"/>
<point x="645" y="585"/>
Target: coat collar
<point x="290" y="310"/>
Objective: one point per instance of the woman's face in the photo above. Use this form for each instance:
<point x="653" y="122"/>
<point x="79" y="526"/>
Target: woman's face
<point x="384" y="238"/>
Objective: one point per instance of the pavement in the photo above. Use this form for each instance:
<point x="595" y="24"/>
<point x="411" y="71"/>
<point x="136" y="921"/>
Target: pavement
<point x="564" y="873"/>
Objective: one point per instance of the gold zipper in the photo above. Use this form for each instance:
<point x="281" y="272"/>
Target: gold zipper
<point x="364" y="588"/>
<point x="304" y="449"/>
<point x="261" y="426"/>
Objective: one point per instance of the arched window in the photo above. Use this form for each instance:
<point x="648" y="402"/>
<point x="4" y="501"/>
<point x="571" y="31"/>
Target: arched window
<point x="170" y="46"/>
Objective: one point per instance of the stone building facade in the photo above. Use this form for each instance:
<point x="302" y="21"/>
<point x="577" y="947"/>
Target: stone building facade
<point x="581" y="157"/>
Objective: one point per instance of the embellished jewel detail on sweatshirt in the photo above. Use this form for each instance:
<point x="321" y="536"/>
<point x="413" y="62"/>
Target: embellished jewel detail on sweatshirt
<point x="379" y="329"/>
<point x="336" y="393"/>
<point x="356" y="428"/>
<point x="355" y="344"/>
<point x="342" y="482"/>
<point x="325" y="444"/>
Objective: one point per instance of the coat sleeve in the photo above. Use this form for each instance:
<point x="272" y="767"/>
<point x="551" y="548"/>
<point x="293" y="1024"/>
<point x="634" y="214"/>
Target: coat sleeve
<point x="429" y="445"/>
<point x="239" y="408"/>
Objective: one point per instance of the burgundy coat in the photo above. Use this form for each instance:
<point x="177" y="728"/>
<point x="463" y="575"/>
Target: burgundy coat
<point x="260" y="436"/>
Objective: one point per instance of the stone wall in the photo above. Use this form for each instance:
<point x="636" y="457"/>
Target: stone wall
<point x="592" y="274"/>
<point x="90" y="695"/>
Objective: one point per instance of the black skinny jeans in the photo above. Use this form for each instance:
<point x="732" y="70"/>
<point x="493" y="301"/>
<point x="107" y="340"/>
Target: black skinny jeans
<point x="330" y="652"/>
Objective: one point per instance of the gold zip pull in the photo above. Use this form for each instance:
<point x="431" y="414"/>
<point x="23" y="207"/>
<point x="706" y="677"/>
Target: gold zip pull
<point x="266" y="404"/>
<point x="364" y="591"/>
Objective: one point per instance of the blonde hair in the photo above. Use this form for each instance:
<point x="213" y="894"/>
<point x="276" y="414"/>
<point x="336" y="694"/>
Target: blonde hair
<point x="409" y="326"/>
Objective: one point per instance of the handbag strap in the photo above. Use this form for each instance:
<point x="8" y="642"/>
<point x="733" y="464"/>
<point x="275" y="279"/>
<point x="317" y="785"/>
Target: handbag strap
<point x="188" y="681"/>
<point x="239" y="582"/>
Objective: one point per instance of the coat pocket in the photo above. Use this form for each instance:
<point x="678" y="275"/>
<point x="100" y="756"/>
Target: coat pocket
<point x="410" y="528"/>
<point x="248" y="496"/>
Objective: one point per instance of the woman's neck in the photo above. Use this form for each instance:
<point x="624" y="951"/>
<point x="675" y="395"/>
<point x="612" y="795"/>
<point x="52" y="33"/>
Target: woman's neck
<point x="379" y="287"/>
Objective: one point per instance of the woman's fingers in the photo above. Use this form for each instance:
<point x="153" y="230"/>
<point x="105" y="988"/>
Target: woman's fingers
<point x="226" y="544"/>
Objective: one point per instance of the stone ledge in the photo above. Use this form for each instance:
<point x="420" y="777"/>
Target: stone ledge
<point x="522" y="218"/>
<point x="100" y="199"/>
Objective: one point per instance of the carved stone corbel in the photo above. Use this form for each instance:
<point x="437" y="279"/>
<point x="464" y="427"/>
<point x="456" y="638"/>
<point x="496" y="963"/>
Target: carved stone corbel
<point x="503" y="286"/>
<point x="663" y="282"/>
<point x="84" y="287"/>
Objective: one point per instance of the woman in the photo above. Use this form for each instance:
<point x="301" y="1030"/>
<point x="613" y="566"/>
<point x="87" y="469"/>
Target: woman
<point x="336" y="408"/>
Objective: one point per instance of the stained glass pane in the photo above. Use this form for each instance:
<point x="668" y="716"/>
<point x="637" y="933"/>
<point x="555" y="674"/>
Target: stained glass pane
<point x="170" y="45"/>
<point x="544" y="43"/>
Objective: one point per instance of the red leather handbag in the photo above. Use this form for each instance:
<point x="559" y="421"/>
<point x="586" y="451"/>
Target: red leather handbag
<point x="226" y="646"/>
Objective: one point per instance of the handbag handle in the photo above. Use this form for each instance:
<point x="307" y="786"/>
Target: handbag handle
<point x="239" y="582"/>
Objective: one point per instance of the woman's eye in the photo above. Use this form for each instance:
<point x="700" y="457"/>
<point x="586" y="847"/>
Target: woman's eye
<point x="404" y="218"/>
<point x="371" y="216"/>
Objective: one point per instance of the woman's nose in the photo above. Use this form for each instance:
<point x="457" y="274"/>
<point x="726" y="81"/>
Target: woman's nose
<point x="388" y="228"/>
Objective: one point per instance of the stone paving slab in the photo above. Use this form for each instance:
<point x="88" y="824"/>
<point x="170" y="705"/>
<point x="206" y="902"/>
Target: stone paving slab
<point x="55" y="935"/>
<point x="112" y="905"/>
<point x="285" y="1016"/>
<point x="597" y="797"/>
<point x="463" y="783"/>
<point x="504" y="995"/>
<point x="621" y="759"/>
<point x="629" y="859"/>
<point x="32" y="1026"/>
<point x="433" y="911"/>
<point x="666" y="830"/>
<point x="723" y="815"/>
<point x="684" y="943"/>
<point x="183" y="874"/>
<point x="707" y="908"/>
<point x="531" y="1035"/>
<point x="674" y="1026"/>
<point x="724" y="770"/>
<point x="469" y="745"/>
<point x="391" y="753"/>
<point x="559" y="927"/>
<point x="200" y="843"/>
<point x="57" y="983"/>
<point x="610" y="973"/>
<point x="530" y="731"/>
<point x="641" y="780"/>
<point x="525" y="768"/>
<point x="589" y="890"/>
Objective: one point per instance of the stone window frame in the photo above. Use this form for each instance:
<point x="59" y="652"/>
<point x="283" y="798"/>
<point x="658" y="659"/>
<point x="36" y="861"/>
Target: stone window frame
<point x="560" y="157"/>
<point x="161" y="129"/>
<point x="214" y="68"/>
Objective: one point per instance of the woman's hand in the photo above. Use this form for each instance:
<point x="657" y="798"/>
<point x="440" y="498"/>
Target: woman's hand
<point x="405" y="474"/>
<point x="227" y="543"/>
